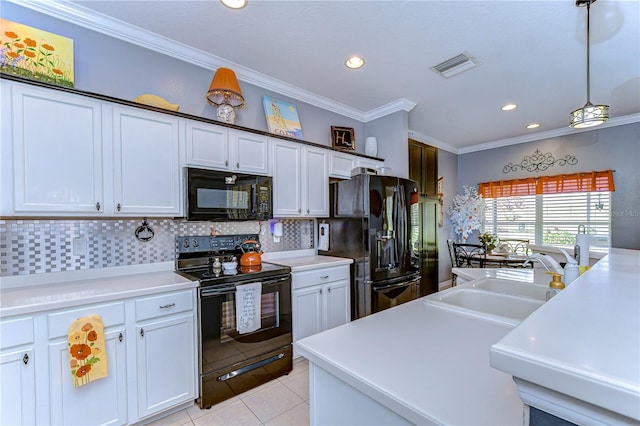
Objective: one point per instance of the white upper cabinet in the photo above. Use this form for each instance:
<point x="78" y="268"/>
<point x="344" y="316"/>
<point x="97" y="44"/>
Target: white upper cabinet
<point x="69" y="155"/>
<point x="287" y="184"/>
<point x="369" y="163"/>
<point x="56" y="152"/>
<point x="315" y="181"/>
<point x="342" y="164"/>
<point x="250" y="152"/>
<point x="217" y="147"/>
<point x="300" y="180"/>
<point x="66" y="154"/>
<point x="207" y="145"/>
<point x="146" y="159"/>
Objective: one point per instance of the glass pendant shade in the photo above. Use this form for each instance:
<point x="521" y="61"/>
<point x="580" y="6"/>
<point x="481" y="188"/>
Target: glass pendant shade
<point x="589" y="115"/>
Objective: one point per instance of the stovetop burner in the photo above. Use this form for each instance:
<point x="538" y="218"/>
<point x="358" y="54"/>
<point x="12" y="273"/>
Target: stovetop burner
<point x="195" y="256"/>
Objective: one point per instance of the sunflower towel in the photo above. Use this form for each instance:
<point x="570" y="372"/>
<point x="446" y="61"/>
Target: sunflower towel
<point x="87" y="350"/>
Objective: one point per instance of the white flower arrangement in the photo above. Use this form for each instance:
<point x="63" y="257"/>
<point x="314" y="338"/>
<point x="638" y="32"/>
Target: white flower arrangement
<point x="467" y="212"/>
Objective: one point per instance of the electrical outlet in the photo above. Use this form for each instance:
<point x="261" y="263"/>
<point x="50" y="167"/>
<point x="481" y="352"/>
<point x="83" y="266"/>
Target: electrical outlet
<point x="80" y="246"/>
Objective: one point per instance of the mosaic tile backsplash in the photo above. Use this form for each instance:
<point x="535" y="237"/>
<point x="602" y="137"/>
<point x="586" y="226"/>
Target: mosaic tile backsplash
<point x="38" y="246"/>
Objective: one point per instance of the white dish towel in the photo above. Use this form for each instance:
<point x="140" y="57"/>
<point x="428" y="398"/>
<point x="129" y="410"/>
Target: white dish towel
<point x="248" y="298"/>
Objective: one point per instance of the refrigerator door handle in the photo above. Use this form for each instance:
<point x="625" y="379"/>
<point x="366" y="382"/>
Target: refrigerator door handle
<point x="400" y="284"/>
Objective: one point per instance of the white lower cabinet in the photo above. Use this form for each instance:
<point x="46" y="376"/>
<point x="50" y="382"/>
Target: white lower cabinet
<point x="102" y="401"/>
<point x="320" y="300"/>
<point x="151" y="351"/>
<point x="17" y="372"/>
<point x="165" y="344"/>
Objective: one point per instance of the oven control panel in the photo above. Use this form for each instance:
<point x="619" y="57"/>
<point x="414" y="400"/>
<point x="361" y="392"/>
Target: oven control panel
<point x="206" y="243"/>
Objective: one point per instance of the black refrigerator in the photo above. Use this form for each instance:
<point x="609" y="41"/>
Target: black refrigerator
<point x="376" y="221"/>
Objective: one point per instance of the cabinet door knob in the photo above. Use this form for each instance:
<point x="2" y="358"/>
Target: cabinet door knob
<point x="98" y="206"/>
<point x="226" y="163"/>
<point x="118" y="207"/>
<point x="25" y="359"/>
<point x="142" y="332"/>
<point x="299" y="210"/>
<point x="120" y="337"/>
<point x="329" y="289"/>
<point x="307" y="211"/>
<point x="237" y="165"/>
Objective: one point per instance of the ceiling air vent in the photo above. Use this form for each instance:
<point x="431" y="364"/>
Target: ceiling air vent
<point x="455" y="65"/>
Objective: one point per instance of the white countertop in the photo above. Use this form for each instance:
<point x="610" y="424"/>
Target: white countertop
<point x="34" y="293"/>
<point x="304" y="260"/>
<point x="585" y="342"/>
<point x="423" y="362"/>
<point x="22" y="294"/>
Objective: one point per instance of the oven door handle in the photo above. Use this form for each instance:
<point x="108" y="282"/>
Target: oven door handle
<point x="275" y="281"/>
<point x="215" y="291"/>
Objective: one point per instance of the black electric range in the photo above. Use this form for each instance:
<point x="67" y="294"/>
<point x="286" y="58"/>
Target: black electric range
<point x="232" y="360"/>
<point x="195" y="256"/>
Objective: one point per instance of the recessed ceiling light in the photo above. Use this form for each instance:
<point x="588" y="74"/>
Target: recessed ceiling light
<point x="509" y="107"/>
<point x="354" y="62"/>
<point x="235" y="4"/>
<point x="533" y="126"/>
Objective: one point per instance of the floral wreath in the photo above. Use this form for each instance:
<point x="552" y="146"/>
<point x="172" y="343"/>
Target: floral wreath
<point x="467" y="211"/>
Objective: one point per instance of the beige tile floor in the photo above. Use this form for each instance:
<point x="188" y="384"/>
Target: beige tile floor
<point x="281" y="402"/>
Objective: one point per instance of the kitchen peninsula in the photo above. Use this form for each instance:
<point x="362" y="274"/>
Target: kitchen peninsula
<point x="421" y="364"/>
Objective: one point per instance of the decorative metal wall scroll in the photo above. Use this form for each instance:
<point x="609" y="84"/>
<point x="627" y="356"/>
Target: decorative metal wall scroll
<point x="539" y="162"/>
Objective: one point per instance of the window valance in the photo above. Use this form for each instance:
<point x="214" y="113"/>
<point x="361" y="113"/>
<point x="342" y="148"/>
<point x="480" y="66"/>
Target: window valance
<point x="558" y="184"/>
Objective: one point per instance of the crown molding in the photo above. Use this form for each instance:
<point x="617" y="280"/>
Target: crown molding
<point x="115" y="28"/>
<point x="612" y="122"/>
<point x="401" y="104"/>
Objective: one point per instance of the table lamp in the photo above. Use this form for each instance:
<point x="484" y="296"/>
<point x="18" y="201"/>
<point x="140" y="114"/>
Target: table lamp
<point x="225" y="94"/>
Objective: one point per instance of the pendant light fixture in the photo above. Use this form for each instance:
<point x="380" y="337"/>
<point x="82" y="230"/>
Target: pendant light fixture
<point x="589" y="115"/>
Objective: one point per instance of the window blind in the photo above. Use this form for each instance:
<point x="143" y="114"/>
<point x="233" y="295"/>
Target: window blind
<point x="601" y="181"/>
<point x="548" y="209"/>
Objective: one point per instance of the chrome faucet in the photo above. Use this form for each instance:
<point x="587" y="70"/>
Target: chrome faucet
<point x="548" y="262"/>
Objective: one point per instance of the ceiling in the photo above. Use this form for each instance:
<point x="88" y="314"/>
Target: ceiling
<point x="531" y="53"/>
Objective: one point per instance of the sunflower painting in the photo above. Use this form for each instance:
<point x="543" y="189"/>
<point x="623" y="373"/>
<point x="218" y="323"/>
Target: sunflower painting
<point x="32" y="53"/>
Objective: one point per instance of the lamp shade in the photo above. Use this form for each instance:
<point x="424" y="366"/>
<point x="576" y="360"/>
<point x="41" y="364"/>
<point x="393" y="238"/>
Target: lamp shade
<point x="589" y="116"/>
<point x="224" y="89"/>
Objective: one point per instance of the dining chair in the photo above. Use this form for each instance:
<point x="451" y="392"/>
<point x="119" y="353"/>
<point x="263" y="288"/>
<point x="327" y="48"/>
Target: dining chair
<point x="469" y="255"/>
<point x="452" y="256"/>
<point x="514" y="246"/>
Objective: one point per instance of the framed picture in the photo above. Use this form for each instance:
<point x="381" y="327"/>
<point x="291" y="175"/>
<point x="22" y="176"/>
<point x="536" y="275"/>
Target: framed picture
<point x="343" y="137"/>
<point x="282" y="118"/>
<point x="35" y="54"/>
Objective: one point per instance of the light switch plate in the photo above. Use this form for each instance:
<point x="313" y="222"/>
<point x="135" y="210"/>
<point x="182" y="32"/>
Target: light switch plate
<point x="80" y="246"/>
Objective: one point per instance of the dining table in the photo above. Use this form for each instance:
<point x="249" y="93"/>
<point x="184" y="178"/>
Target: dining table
<point x="501" y="260"/>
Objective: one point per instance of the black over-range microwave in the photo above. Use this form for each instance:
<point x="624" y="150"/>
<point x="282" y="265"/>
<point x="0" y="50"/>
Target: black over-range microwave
<point x="223" y="196"/>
